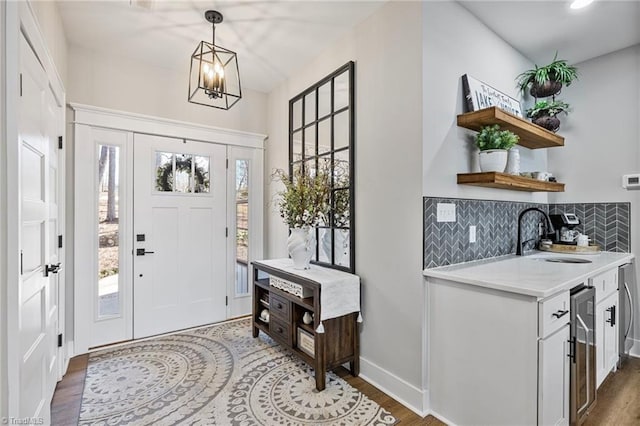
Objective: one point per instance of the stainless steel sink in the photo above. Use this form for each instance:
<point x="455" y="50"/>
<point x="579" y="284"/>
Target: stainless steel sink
<point x="565" y="260"/>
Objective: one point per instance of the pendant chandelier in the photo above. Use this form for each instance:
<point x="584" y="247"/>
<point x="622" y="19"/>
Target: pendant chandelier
<point x="214" y="79"/>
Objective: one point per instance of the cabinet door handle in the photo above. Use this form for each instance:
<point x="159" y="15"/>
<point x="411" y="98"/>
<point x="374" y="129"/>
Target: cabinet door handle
<point x="279" y="306"/>
<point x="279" y="330"/>
<point x="560" y="313"/>
<point x="612" y="317"/>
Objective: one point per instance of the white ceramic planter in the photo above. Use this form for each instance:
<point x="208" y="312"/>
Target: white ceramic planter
<point x="493" y="160"/>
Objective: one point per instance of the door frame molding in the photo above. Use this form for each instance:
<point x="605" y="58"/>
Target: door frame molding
<point x="157" y="126"/>
<point x="19" y="18"/>
<point x="87" y="117"/>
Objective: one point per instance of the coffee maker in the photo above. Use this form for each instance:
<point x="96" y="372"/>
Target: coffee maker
<point x="564" y="224"/>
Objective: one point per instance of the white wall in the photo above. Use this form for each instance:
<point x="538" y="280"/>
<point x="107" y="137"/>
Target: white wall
<point x="457" y="43"/>
<point x="602" y="136"/>
<point x="3" y="222"/>
<point x="601" y="132"/>
<point x="128" y="85"/>
<point x="388" y="54"/>
<point x="50" y="23"/>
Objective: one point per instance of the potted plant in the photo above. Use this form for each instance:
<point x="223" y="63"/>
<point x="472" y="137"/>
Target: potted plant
<point x="493" y="144"/>
<point x="303" y="204"/>
<point x="549" y="79"/>
<point x="544" y="113"/>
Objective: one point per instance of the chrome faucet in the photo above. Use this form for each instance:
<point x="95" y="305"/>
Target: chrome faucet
<point x="520" y="243"/>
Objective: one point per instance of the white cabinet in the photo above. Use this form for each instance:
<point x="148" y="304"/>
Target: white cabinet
<point x="606" y="285"/>
<point x="553" y="378"/>
<point x="606" y="336"/>
<point x="496" y="357"/>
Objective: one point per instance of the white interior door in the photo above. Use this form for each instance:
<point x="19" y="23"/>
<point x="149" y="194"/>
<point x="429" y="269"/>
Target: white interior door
<point x="37" y="316"/>
<point x="179" y="234"/>
<point x="55" y="200"/>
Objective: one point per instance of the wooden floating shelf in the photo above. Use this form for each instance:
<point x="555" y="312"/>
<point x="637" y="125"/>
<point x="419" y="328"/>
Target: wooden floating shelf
<point x="507" y="181"/>
<point x="531" y="135"/>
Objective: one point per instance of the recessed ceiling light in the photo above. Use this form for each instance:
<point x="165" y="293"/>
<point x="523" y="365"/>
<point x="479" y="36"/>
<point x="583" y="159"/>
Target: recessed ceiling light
<point x="579" y="4"/>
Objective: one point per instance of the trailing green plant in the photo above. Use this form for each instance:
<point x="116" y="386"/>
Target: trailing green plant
<point x="542" y="108"/>
<point x="491" y="137"/>
<point x="558" y="71"/>
<point x="305" y="198"/>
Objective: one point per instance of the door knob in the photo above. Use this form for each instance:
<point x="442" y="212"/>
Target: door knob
<point x="51" y="268"/>
<point x="142" y="252"/>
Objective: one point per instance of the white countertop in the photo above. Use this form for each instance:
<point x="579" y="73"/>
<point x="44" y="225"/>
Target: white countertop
<point x="529" y="275"/>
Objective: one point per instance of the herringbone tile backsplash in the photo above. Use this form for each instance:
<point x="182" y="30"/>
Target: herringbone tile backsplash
<point x="607" y="224"/>
<point x="447" y="243"/>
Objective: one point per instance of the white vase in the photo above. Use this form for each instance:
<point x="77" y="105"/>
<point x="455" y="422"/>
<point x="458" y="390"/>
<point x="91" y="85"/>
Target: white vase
<point x="513" y="162"/>
<point x="301" y="245"/>
<point x="493" y="160"/>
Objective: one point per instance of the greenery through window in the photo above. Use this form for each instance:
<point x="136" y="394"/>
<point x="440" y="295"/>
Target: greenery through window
<point x="182" y="173"/>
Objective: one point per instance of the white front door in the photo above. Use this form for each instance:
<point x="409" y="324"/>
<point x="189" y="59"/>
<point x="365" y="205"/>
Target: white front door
<point x="179" y="234"/>
<point x="37" y="310"/>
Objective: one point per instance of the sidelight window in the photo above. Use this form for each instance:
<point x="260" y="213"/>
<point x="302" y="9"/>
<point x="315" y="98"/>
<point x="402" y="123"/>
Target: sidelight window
<point x="108" y="231"/>
<point x="242" y="227"/>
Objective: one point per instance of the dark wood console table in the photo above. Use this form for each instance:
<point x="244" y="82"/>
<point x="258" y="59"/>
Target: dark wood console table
<point x="331" y="339"/>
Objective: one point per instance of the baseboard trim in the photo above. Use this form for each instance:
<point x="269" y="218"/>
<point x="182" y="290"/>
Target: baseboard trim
<point x="441" y="418"/>
<point x="405" y="393"/>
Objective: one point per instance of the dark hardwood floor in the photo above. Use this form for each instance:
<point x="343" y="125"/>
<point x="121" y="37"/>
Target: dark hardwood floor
<point x="65" y="406"/>
<point x="618" y="398"/>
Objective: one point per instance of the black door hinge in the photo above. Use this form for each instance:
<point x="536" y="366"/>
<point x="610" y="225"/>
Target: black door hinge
<point x="60" y="340"/>
<point x="226" y="300"/>
<point x="226" y="232"/>
<point x="20" y="84"/>
<point x="227" y="163"/>
<point x="59" y="142"/>
<point x="59" y="241"/>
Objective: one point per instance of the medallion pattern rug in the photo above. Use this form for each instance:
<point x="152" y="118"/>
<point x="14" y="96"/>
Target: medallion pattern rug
<point x="218" y="375"/>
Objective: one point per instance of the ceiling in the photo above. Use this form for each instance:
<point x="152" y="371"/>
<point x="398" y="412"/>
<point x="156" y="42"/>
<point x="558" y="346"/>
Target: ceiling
<point x="274" y="39"/>
<point x="540" y="28"/>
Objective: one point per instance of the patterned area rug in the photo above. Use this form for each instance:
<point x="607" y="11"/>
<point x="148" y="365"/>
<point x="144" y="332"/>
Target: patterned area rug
<point x="218" y="375"/>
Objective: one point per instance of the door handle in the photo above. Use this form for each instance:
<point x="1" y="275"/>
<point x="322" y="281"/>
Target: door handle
<point x="142" y="252"/>
<point x="51" y="268"/>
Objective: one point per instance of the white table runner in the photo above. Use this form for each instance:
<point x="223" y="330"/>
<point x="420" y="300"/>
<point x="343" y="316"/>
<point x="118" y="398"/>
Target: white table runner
<point x="339" y="291"/>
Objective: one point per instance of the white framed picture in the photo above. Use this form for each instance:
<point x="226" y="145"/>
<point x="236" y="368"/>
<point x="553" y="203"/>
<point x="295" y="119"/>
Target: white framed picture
<point x="479" y="95"/>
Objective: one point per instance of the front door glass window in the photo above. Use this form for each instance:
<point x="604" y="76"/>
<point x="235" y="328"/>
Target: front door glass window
<point x="182" y="173"/>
